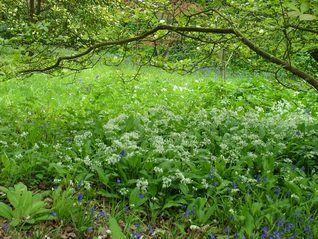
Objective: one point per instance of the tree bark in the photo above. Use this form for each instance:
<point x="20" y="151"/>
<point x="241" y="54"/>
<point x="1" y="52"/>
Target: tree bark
<point x="31" y="10"/>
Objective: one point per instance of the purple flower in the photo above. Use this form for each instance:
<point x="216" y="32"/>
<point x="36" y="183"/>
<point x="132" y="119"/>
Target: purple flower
<point x="90" y="230"/>
<point x="92" y="211"/>
<point x="278" y="234"/>
<point x="279" y="222"/>
<point x="136" y="235"/>
<point x="277" y="190"/>
<point x="227" y="230"/>
<point x="118" y="181"/>
<point x="289" y="226"/>
<point x="79" y="197"/>
<point x="52" y="214"/>
<point x="215" y="184"/>
<point x="102" y="214"/>
<point x="126" y="209"/>
<point x="186" y="214"/>
<point x="150" y="229"/>
<point x="294" y="236"/>
<point x="123" y="153"/>
<point x="6" y="227"/>
<point x="234" y="185"/>
<point x="211" y="236"/>
<point x="141" y="195"/>
<point x="307" y="229"/>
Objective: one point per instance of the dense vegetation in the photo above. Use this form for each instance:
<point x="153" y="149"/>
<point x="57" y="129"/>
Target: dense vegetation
<point x="97" y="140"/>
<point x="167" y="156"/>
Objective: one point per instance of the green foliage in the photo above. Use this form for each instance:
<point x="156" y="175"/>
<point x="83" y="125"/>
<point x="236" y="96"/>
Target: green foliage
<point x="115" y="228"/>
<point x="25" y="208"/>
<point x="187" y="155"/>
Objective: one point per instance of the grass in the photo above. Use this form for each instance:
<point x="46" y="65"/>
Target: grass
<point x="164" y="156"/>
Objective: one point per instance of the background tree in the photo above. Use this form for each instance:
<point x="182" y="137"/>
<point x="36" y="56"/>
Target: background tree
<point x="176" y="35"/>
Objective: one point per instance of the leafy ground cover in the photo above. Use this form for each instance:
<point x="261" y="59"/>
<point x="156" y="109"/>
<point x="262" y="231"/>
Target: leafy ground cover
<point x="103" y="155"/>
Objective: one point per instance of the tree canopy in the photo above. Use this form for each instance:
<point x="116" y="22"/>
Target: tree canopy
<point x="274" y="36"/>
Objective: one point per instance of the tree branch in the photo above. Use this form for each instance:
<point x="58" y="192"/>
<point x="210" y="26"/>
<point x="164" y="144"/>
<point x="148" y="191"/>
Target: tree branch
<point x="308" y="78"/>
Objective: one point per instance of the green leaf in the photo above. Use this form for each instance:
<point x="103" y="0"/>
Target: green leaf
<point x="307" y="17"/>
<point x="5" y="211"/>
<point x="13" y="198"/>
<point x="304" y="6"/>
<point x="292" y="6"/>
<point x="115" y="229"/>
<point x="172" y="203"/>
<point x="102" y="176"/>
<point x="134" y="198"/>
<point x="294" y="14"/>
<point x="15" y="222"/>
<point x="184" y="189"/>
<point x="249" y="224"/>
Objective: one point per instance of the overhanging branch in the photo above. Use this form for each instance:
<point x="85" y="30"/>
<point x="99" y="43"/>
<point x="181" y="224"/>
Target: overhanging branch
<point x="305" y="76"/>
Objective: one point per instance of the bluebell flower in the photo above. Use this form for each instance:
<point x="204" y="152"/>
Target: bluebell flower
<point x="288" y="227"/>
<point x="79" y="197"/>
<point x="265" y="233"/>
<point x="126" y="208"/>
<point x="234" y="185"/>
<point x="277" y="190"/>
<point x="141" y="195"/>
<point x="183" y="206"/>
<point x="102" y="214"/>
<point x="92" y="211"/>
<point x="227" y="230"/>
<point x="310" y="219"/>
<point x="307" y="229"/>
<point x="6" y="227"/>
<point x="211" y="236"/>
<point x="279" y="222"/>
<point x="150" y="229"/>
<point x="52" y="214"/>
<point x="136" y="235"/>
<point x="278" y="235"/>
<point x="118" y="181"/>
<point x="123" y="153"/>
<point x="187" y="213"/>
<point x="215" y="184"/>
<point x="90" y="230"/>
<point x="193" y="210"/>
<point x="294" y="236"/>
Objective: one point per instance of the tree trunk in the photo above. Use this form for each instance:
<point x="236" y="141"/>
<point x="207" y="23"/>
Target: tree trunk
<point x="31" y="10"/>
<point x="38" y="7"/>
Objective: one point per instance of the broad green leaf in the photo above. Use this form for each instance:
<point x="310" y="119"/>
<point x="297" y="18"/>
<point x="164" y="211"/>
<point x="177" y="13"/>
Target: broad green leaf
<point x="294" y="14"/>
<point x="173" y="203"/>
<point x="249" y="224"/>
<point x="5" y="211"/>
<point x="307" y="17"/>
<point x="102" y="176"/>
<point x="292" y="6"/>
<point x="115" y="229"/>
<point x="208" y="214"/>
<point x="14" y="199"/>
<point x="134" y="198"/>
<point x="304" y="6"/>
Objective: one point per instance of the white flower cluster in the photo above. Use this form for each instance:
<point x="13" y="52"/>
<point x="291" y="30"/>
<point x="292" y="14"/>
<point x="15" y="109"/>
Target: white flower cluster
<point x="142" y="184"/>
